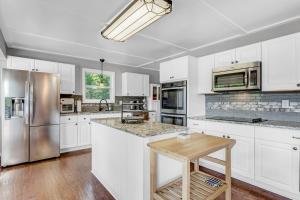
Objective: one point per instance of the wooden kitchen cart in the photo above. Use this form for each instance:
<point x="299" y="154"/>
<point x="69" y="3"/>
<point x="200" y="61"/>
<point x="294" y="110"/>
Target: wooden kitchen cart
<point x="192" y="185"/>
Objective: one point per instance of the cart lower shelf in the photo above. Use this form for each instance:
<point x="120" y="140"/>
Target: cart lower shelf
<point x="199" y="189"/>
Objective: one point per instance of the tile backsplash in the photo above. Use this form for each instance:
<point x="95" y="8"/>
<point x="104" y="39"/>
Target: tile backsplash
<point x="254" y="104"/>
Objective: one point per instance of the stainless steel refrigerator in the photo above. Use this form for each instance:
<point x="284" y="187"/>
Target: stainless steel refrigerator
<point x="30" y="125"/>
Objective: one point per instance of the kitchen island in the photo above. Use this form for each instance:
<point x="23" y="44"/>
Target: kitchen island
<point x="121" y="158"/>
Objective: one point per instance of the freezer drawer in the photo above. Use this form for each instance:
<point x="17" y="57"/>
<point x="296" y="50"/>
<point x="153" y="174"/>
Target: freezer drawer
<point x="15" y="142"/>
<point x="44" y="142"/>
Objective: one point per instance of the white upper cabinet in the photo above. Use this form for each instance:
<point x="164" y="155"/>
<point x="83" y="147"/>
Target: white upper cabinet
<point x="205" y="66"/>
<point x="67" y="78"/>
<point x="135" y="84"/>
<point x="46" y="66"/>
<point x="173" y="70"/>
<point x="281" y="64"/>
<point x="250" y="53"/>
<point x="245" y="54"/>
<point x="225" y="58"/>
<point x="20" y="63"/>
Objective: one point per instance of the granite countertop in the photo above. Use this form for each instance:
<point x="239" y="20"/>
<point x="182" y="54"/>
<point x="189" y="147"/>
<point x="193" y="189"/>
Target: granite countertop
<point x="89" y="113"/>
<point x="269" y="123"/>
<point x="146" y="129"/>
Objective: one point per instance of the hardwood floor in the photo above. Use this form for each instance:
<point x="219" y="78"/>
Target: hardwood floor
<point x="69" y="178"/>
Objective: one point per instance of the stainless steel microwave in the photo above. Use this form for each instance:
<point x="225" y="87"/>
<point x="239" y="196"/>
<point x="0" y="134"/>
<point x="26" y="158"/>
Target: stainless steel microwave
<point x="245" y="76"/>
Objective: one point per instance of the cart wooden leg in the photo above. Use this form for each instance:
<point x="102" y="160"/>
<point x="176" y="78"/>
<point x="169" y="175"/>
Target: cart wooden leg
<point x="196" y="165"/>
<point x="228" y="173"/>
<point x="153" y="174"/>
<point x="186" y="180"/>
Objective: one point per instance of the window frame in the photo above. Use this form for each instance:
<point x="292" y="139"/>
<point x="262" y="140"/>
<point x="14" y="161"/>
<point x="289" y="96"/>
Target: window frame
<point x="112" y="85"/>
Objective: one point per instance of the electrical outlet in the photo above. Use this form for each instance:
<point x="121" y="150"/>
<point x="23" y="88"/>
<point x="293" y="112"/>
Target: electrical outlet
<point x="285" y="104"/>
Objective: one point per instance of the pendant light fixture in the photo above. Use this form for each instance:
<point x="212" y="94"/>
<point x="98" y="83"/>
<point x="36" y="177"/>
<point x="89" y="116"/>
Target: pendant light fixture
<point x="101" y="76"/>
<point x="136" y="16"/>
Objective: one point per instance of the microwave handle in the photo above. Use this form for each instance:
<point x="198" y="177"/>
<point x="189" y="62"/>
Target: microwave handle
<point x="247" y="78"/>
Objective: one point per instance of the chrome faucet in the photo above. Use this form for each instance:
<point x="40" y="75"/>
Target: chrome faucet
<point x="100" y="104"/>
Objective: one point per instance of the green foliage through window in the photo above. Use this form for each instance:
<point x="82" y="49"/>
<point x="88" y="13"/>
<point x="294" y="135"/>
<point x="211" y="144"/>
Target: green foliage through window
<point x="97" y="86"/>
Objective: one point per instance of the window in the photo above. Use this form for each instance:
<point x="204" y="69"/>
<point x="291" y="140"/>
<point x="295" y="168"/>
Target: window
<point x="92" y="88"/>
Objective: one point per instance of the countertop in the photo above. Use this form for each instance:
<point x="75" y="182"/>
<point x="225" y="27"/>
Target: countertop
<point x="146" y="129"/>
<point x="270" y="123"/>
<point x="89" y="113"/>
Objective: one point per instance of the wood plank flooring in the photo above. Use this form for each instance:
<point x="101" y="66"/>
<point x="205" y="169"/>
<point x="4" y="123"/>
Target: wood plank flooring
<point x="69" y="178"/>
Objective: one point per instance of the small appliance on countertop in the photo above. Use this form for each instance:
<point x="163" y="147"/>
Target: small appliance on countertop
<point x="67" y="105"/>
<point x="78" y="106"/>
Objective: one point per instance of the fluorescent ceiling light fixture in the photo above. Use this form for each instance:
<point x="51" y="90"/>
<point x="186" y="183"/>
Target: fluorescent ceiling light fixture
<point x="136" y="16"/>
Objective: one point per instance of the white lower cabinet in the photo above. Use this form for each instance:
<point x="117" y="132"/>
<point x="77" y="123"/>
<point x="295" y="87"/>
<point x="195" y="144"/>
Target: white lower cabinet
<point x="263" y="156"/>
<point x="84" y="133"/>
<point x="68" y="135"/>
<point x="277" y="165"/>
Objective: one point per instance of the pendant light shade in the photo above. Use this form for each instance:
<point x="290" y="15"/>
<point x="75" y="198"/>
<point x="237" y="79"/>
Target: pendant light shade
<point x="101" y="76"/>
<point x="135" y="17"/>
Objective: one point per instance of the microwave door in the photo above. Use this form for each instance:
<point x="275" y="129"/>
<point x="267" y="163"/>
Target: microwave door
<point x="230" y="80"/>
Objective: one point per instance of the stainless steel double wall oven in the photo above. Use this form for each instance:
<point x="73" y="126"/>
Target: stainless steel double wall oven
<point x="174" y="103"/>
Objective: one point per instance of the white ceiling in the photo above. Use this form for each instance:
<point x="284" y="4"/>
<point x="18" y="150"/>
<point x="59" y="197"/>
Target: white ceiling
<point x="71" y="27"/>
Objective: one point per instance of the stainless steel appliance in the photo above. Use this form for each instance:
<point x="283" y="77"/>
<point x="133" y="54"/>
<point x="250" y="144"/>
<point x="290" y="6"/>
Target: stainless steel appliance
<point x="67" y="105"/>
<point x="180" y="120"/>
<point x="174" y="103"/>
<point x="245" y="76"/>
<point x="30" y="126"/>
<point x="237" y="119"/>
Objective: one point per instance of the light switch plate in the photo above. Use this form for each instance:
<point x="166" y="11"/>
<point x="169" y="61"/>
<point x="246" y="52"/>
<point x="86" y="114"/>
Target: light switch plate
<point x="285" y="104"/>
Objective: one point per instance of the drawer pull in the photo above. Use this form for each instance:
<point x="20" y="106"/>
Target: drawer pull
<point x="295" y="148"/>
<point x="69" y="118"/>
<point x="224" y="136"/>
<point x="297" y="138"/>
<point x="196" y="124"/>
<point x="228" y="137"/>
<point x="84" y="118"/>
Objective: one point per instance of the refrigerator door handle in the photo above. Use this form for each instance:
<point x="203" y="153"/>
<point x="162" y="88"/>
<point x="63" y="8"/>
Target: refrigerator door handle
<point x="26" y="103"/>
<point x="31" y="107"/>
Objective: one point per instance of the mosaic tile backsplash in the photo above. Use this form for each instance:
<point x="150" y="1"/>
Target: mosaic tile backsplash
<point x="254" y="104"/>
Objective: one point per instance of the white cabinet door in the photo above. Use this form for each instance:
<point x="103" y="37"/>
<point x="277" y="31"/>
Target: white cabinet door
<point x="135" y="84"/>
<point x="146" y="83"/>
<point x="280" y="67"/>
<point x="84" y="134"/>
<point x="20" y="63"/>
<point x="243" y="157"/>
<point x="250" y="53"/>
<point x="176" y="69"/>
<point x="225" y="58"/>
<point x="298" y="60"/>
<point x="68" y="135"/>
<point x="205" y="66"/>
<point x="67" y="78"/>
<point x="46" y="66"/>
<point x="277" y="165"/>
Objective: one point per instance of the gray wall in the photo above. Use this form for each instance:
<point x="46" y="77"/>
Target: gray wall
<point x="2" y="44"/>
<point x="81" y="63"/>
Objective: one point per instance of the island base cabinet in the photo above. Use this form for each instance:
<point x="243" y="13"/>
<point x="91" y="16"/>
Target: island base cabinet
<point x="121" y="162"/>
<point x="277" y="166"/>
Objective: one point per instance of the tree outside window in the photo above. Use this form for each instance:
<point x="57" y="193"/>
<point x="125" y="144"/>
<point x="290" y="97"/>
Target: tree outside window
<point x="96" y="86"/>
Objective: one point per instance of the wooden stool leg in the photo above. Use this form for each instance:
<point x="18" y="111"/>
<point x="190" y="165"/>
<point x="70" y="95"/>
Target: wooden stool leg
<point x="186" y="180"/>
<point x="196" y="165"/>
<point x="153" y="174"/>
<point x="228" y="173"/>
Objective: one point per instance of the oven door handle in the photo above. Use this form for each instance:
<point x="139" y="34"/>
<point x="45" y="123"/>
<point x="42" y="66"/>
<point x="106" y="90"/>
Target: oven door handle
<point x="170" y="115"/>
<point x="174" y="88"/>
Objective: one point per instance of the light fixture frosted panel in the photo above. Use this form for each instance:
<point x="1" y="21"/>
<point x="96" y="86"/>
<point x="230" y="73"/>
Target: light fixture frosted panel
<point x="135" y="17"/>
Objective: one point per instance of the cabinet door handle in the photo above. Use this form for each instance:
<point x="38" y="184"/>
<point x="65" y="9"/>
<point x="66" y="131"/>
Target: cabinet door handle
<point x="69" y="118"/>
<point x="298" y="85"/>
<point x="232" y="62"/>
<point x="297" y="138"/>
<point x="236" y="61"/>
<point x="224" y="136"/>
<point x="295" y="148"/>
<point x="76" y="124"/>
<point x="228" y="137"/>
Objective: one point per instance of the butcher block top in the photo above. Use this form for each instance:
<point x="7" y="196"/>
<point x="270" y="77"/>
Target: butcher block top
<point x="198" y="145"/>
